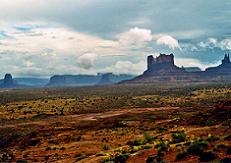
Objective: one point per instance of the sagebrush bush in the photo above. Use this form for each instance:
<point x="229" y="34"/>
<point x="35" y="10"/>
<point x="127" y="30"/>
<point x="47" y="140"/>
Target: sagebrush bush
<point x="162" y="145"/>
<point x="181" y="155"/>
<point x="197" y="147"/>
<point x="178" y="137"/>
<point x="148" y="137"/>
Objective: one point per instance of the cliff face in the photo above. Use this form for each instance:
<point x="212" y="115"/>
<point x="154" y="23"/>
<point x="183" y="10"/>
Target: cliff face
<point x="8" y="82"/>
<point x="73" y="80"/>
<point x="163" y="69"/>
<point x="87" y="80"/>
<point x="105" y="79"/>
<point x="163" y="64"/>
<point x="224" y="68"/>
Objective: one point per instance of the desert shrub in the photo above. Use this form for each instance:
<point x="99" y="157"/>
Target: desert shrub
<point x="228" y="151"/>
<point x="148" y="137"/>
<point x="227" y="137"/>
<point x="207" y="156"/>
<point x="21" y="161"/>
<point x="136" y="142"/>
<point x="212" y="138"/>
<point x="121" y="158"/>
<point x="226" y="160"/>
<point x="178" y="137"/>
<point x="221" y="145"/>
<point x="46" y="157"/>
<point x="48" y="148"/>
<point x="55" y="141"/>
<point x="155" y="158"/>
<point x="77" y="138"/>
<point x="62" y="148"/>
<point x="34" y="142"/>
<point x="161" y="129"/>
<point x="107" y="159"/>
<point x="147" y="147"/>
<point x="197" y="147"/>
<point x="162" y="145"/>
<point x="105" y="147"/>
<point x="20" y="107"/>
<point x="135" y="149"/>
<point x="181" y="155"/>
<point x="210" y="123"/>
<point x="80" y="157"/>
<point x="102" y="154"/>
<point x="150" y="159"/>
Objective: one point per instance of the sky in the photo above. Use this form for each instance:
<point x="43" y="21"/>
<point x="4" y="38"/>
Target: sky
<point x="47" y="37"/>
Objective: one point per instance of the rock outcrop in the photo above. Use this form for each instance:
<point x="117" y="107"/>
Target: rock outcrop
<point x="105" y="79"/>
<point x="163" y="69"/>
<point x="224" y="68"/>
<point x="163" y="64"/>
<point x="87" y="80"/>
<point x="9" y="82"/>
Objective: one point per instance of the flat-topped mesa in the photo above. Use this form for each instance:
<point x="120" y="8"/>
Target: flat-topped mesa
<point x="161" y="65"/>
<point x="161" y="59"/>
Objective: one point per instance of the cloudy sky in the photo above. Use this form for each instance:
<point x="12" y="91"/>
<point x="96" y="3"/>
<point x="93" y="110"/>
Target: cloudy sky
<point x="46" y="37"/>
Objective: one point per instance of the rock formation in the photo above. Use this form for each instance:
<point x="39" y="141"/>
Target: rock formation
<point x="8" y="82"/>
<point x="163" y="64"/>
<point x="163" y="69"/>
<point x="105" y="79"/>
<point x="86" y="80"/>
<point x="224" y="68"/>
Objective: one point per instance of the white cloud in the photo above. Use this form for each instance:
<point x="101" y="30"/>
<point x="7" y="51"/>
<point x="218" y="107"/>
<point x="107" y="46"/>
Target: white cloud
<point x="168" y="41"/>
<point x="191" y="62"/>
<point x="135" y="37"/>
<point x="210" y="43"/>
<point x="127" y="67"/>
<point x="225" y="44"/>
<point x="87" y="60"/>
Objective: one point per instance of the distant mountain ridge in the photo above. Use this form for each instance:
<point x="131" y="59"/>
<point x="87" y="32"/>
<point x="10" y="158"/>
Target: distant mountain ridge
<point x="9" y="82"/>
<point x="159" y="69"/>
<point x="87" y="80"/>
<point x="31" y="82"/>
<point x="163" y="69"/>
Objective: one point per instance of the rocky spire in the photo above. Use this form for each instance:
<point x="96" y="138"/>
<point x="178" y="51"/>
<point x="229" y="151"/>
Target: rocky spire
<point x="8" y="80"/>
<point x="226" y="59"/>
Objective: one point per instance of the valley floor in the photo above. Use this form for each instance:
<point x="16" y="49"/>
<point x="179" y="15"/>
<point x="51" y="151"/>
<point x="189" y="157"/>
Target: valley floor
<point x="40" y="130"/>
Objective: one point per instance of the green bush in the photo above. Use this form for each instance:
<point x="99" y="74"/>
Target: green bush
<point x="48" y="148"/>
<point x="197" y="147"/>
<point x="162" y="145"/>
<point x="105" y="147"/>
<point x="80" y="157"/>
<point x="147" y="147"/>
<point x="212" y="138"/>
<point x="228" y="151"/>
<point x="148" y="137"/>
<point x="136" y="142"/>
<point x="121" y="158"/>
<point x="181" y="155"/>
<point x="210" y="123"/>
<point x="207" y="156"/>
<point x="178" y="137"/>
